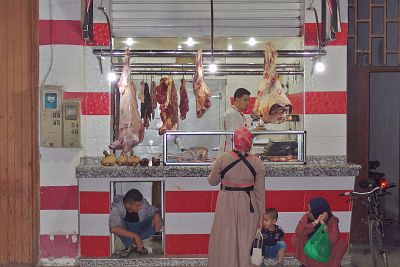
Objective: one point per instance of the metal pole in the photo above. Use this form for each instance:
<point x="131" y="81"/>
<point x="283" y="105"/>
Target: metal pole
<point x="222" y="72"/>
<point x="207" y="53"/>
<point x="212" y="31"/>
<point x="188" y="65"/>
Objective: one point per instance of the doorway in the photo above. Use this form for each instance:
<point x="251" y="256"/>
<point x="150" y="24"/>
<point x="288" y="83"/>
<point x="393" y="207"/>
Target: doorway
<point x="153" y="192"/>
<point x="384" y="146"/>
<point x="373" y="118"/>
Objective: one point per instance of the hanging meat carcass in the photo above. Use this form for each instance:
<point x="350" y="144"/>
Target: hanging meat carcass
<point x="272" y="104"/>
<point x="184" y="100"/>
<point x="146" y="105"/>
<point x="131" y="129"/>
<point x="201" y="91"/>
<point x="168" y="99"/>
<point x="153" y="95"/>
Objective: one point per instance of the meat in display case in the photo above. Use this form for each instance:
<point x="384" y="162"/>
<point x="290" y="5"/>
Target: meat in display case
<point x="202" y="148"/>
<point x="282" y="147"/>
<point x="193" y="148"/>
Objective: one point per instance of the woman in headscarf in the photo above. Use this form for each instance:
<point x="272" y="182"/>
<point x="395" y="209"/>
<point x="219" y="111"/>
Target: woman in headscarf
<point x="240" y="205"/>
<point x="319" y="213"/>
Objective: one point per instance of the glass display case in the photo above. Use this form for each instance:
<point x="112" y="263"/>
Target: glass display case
<point x="193" y="148"/>
<point x="203" y="147"/>
<point x="280" y="147"/>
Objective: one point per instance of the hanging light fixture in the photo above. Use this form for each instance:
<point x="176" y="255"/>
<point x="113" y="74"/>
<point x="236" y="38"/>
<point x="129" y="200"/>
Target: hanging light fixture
<point x="129" y="41"/>
<point x="319" y="67"/>
<point x="190" y="42"/>
<point x="252" y="41"/>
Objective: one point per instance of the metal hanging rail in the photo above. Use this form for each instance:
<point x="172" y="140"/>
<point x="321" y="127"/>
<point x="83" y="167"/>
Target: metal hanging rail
<point x="207" y="53"/>
<point x="220" y="66"/>
<point x="218" y="73"/>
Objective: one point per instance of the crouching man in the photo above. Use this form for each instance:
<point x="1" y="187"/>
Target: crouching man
<point x="133" y="220"/>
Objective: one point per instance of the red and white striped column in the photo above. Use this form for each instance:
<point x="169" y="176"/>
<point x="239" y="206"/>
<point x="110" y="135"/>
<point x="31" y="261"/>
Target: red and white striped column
<point x="76" y="69"/>
<point x="325" y="93"/>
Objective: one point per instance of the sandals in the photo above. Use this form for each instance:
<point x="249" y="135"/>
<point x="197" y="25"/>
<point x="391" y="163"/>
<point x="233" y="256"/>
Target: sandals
<point x="144" y="251"/>
<point x="126" y="252"/>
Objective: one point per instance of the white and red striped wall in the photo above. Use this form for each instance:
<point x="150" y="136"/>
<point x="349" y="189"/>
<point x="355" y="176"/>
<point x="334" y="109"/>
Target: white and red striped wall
<point x="190" y="205"/>
<point x="75" y="68"/>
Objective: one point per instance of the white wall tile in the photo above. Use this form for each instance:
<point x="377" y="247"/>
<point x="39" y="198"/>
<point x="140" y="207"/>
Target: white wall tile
<point x="326" y="145"/>
<point x="57" y="166"/>
<point x="334" y="78"/>
<point x="58" y="222"/>
<point x="61" y="9"/>
<point x="325" y="124"/>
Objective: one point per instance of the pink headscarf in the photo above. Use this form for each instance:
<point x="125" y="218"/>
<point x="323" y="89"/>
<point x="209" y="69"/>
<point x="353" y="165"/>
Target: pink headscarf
<point x="242" y="139"/>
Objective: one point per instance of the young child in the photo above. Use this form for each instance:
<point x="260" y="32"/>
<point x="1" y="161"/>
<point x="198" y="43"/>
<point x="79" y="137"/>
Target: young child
<point x="273" y="245"/>
<point x="133" y="220"/>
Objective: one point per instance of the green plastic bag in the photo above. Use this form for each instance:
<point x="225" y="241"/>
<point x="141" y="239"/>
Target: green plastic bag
<point x="318" y="247"/>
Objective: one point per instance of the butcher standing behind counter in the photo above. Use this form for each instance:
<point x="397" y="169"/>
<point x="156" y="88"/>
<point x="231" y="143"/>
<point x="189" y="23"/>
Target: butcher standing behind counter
<point x="233" y="117"/>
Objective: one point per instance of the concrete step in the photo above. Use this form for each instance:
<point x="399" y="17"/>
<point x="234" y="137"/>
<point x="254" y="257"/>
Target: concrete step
<point x="190" y="260"/>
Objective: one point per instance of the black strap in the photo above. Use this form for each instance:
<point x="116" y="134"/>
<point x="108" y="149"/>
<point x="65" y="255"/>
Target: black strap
<point x="230" y="166"/>
<point x="227" y="168"/>
<point x="253" y="171"/>
<point x="241" y="158"/>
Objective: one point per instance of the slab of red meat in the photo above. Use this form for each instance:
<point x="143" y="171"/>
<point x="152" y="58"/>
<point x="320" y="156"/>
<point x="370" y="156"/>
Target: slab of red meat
<point x="146" y="105"/>
<point x="131" y="129"/>
<point x="272" y="103"/>
<point x="201" y="91"/>
<point x="153" y="95"/>
<point x="184" y="100"/>
<point x="168" y="99"/>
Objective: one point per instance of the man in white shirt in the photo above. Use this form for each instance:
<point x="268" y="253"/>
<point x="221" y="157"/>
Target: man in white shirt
<point x="233" y="117"/>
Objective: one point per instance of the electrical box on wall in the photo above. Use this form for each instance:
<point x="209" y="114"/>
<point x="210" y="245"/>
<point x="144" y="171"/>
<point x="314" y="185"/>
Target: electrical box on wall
<point x="71" y="123"/>
<point x="50" y="116"/>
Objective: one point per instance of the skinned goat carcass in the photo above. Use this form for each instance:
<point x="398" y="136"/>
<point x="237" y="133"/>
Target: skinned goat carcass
<point x="272" y="103"/>
<point x="131" y="129"/>
<point x="168" y="99"/>
<point x="200" y="89"/>
<point x="184" y="100"/>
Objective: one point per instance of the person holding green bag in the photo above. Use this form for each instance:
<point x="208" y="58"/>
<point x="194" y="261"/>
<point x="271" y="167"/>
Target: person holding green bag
<point x="314" y="230"/>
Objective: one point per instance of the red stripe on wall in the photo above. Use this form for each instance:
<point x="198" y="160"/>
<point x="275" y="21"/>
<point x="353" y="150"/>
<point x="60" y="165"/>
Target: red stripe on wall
<point x="334" y="102"/>
<point x="295" y="201"/>
<point x="101" y="36"/>
<point x="310" y="35"/>
<point x="186" y="244"/>
<point x="59" y="246"/>
<point x="66" y="32"/>
<point x="69" y="32"/>
<point x="190" y="201"/>
<point x="92" y="103"/>
<point x="94" y="202"/>
<point x="95" y="246"/>
<point x="59" y="197"/>
<point x="283" y="200"/>
<point x="326" y="103"/>
<point x="198" y="244"/>
<point x="320" y="102"/>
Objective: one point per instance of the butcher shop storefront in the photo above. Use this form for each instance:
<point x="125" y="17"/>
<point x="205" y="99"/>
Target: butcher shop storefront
<point x="141" y="95"/>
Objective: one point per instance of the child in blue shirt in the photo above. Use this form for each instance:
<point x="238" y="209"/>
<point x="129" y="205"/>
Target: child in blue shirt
<point x="273" y="245"/>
